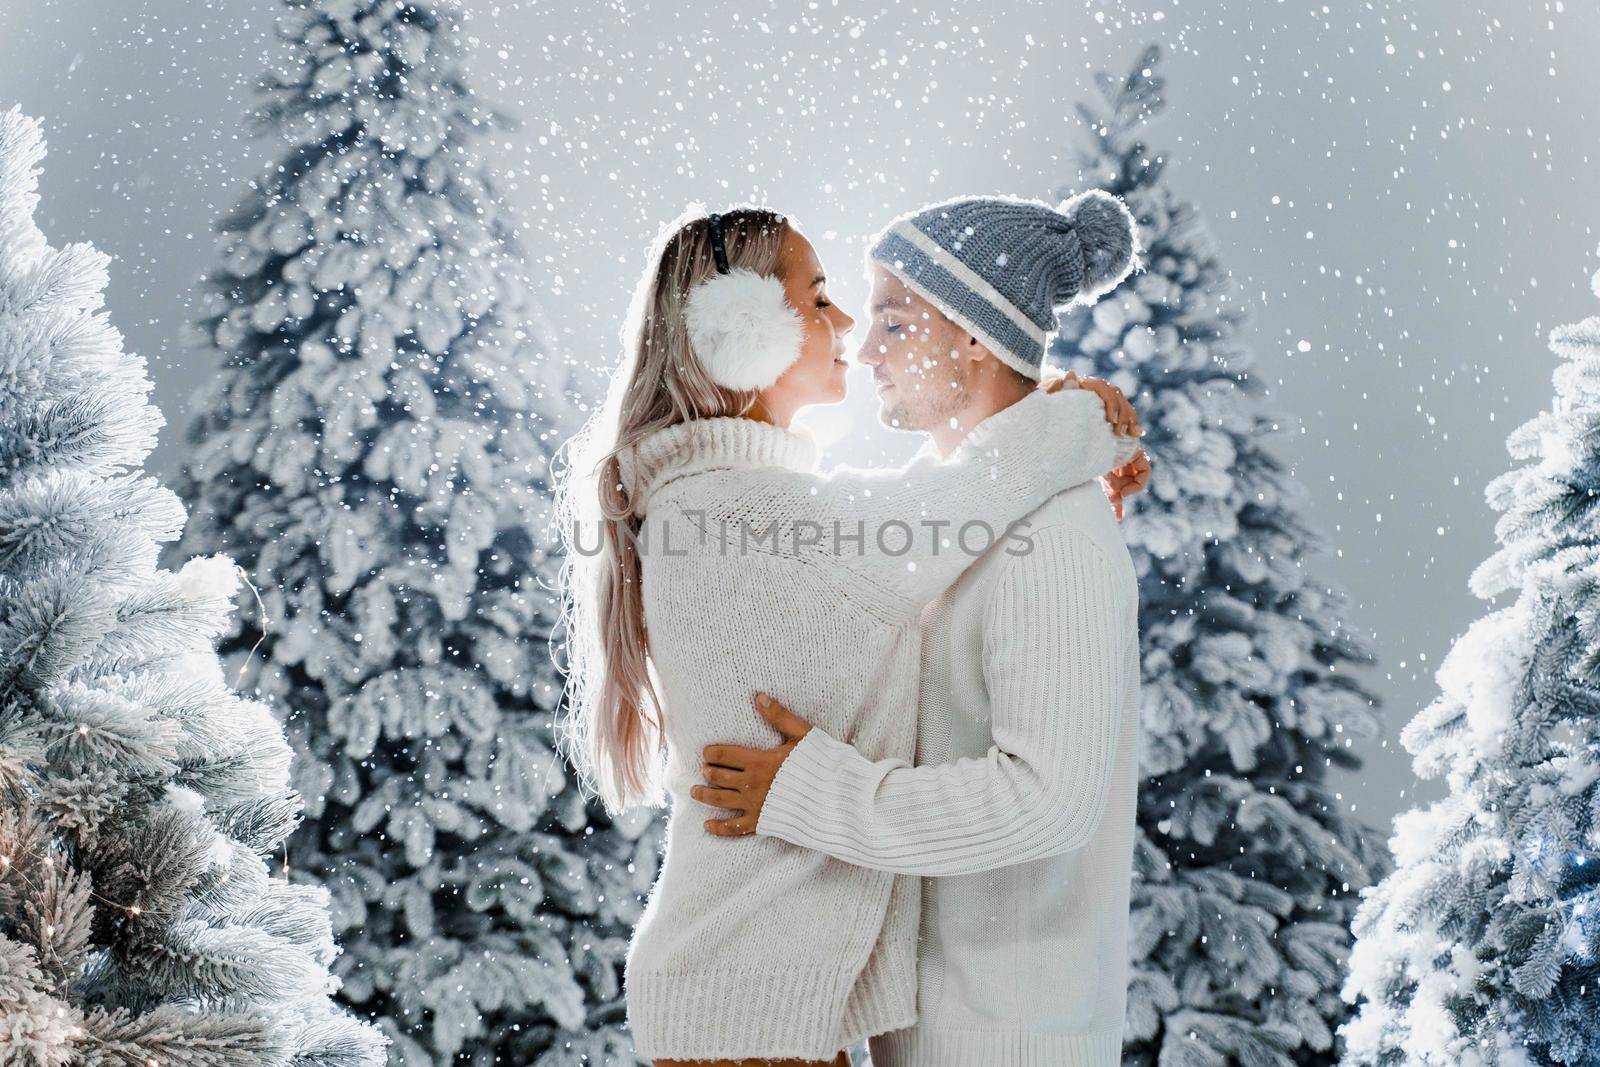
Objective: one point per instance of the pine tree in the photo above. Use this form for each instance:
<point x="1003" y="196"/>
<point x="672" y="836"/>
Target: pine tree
<point x="1245" y="870"/>
<point x="1483" y="946"/>
<point x="376" y="455"/>
<point x="140" y="798"/>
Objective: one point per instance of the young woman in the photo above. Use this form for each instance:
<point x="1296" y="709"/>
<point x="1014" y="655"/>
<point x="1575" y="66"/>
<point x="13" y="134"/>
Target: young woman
<point x="727" y="564"/>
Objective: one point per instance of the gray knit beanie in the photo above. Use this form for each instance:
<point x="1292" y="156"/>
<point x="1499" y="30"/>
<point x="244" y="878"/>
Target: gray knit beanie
<point x="1001" y="266"/>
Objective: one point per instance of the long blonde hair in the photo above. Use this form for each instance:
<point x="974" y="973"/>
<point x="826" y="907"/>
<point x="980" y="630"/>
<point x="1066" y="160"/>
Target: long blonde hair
<point x="611" y="730"/>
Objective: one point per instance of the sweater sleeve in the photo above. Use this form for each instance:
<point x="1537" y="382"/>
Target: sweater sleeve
<point x="1054" y="666"/>
<point x="912" y="530"/>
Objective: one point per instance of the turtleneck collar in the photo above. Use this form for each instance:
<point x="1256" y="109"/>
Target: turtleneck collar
<point x="700" y="445"/>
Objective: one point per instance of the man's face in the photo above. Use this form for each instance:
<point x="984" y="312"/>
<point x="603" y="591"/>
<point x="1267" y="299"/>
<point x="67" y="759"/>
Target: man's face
<point x="917" y="355"/>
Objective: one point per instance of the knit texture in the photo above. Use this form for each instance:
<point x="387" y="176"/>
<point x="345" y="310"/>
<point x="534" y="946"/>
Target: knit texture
<point x="749" y="946"/>
<point x="1001" y="267"/>
<point x="1020" y="807"/>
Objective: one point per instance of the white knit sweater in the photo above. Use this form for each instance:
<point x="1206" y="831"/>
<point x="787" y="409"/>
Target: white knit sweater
<point x="750" y="946"/>
<point x="1020" y="808"/>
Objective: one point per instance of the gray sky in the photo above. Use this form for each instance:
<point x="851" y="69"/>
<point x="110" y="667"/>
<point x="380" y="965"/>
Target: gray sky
<point x="1404" y="193"/>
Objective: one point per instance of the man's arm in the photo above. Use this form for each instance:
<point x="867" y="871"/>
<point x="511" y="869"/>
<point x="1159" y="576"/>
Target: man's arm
<point x="1054" y="664"/>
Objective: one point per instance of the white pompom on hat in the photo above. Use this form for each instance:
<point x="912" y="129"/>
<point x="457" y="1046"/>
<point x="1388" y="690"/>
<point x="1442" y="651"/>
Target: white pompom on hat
<point x="742" y="329"/>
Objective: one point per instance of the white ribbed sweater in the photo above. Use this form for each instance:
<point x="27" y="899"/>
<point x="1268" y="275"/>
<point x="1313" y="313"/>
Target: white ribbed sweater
<point x="751" y="946"/>
<point x="1021" y="806"/>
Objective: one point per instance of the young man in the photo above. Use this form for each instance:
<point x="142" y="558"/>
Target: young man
<point x="1019" y="812"/>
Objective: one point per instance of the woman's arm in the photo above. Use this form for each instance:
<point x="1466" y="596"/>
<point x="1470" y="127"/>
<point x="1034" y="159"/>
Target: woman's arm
<point x="909" y="532"/>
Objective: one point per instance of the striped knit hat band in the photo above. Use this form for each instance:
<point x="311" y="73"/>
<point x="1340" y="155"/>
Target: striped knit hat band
<point x="1001" y="267"/>
<point x="963" y="295"/>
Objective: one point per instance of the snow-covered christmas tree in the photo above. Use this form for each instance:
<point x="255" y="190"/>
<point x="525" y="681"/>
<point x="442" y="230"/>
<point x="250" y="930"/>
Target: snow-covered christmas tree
<point x="1483" y="946"/>
<point x="1246" y="869"/>
<point x="141" y="799"/>
<point x="376" y="455"/>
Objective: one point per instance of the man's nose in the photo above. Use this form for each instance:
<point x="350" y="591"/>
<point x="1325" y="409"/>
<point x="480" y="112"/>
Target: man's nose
<point x="869" y="354"/>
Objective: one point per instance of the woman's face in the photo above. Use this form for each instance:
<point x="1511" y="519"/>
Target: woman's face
<point x="817" y="377"/>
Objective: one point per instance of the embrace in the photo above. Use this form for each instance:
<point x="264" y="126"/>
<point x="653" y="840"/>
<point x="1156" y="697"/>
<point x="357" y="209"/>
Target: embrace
<point x="895" y="712"/>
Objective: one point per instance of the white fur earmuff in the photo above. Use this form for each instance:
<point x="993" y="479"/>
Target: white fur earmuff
<point x="742" y="329"/>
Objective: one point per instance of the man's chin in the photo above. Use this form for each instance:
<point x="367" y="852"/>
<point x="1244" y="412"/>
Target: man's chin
<point x="895" y="417"/>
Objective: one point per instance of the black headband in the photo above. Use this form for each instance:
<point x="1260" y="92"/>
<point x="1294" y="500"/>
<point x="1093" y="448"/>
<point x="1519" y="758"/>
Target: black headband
<point x="718" y="251"/>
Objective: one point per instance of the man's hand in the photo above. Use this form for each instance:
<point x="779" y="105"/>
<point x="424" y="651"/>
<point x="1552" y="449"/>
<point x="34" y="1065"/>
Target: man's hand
<point x="740" y="778"/>
<point x="1126" y="480"/>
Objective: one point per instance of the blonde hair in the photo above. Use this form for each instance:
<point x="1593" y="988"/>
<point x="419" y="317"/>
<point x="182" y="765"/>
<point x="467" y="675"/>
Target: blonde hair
<point x="611" y="729"/>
